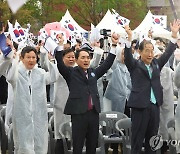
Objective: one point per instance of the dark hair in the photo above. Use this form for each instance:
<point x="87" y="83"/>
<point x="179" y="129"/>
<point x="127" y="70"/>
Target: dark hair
<point x="78" y="52"/>
<point x="15" y="45"/>
<point x="134" y="41"/>
<point x="143" y="44"/>
<point x="101" y="41"/>
<point x="158" y="38"/>
<point x="65" y="52"/>
<point x="28" y="49"/>
<point x="79" y="41"/>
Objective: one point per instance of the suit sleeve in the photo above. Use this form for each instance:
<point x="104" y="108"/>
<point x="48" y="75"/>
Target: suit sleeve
<point x="63" y="69"/>
<point x="129" y="60"/>
<point x="105" y="66"/>
<point x="166" y="55"/>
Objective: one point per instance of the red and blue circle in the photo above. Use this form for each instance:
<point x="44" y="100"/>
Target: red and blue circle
<point x="157" y="21"/>
<point x="71" y="27"/>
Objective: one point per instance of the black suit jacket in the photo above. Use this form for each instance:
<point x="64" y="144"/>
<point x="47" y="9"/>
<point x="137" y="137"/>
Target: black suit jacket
<point x="141" y="82"/>
<point x="80" y="87"/>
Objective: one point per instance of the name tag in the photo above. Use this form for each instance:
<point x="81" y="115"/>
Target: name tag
<point x="111" y="115"/>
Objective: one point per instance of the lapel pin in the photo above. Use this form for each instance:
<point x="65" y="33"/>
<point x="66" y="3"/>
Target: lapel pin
<point x="92" y="74"/>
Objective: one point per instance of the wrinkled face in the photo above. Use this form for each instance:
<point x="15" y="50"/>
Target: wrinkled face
<point x="29" y="60"/>
<point x="69" y="59"/>
<point x="83" y="60"/>
<point x="147" y="53"/>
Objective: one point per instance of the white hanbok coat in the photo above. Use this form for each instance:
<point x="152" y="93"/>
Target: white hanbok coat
<point x="29" y="115"/>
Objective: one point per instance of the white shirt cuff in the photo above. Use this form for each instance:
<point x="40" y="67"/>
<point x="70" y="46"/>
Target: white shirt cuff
<point x="113" y="50"/>
<point x="174" y="40"/>
<point x="128" y="44"/>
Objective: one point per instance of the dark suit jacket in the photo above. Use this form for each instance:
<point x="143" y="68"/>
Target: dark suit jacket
<point x="141" y="82"/>
<point x="80" y="87"/>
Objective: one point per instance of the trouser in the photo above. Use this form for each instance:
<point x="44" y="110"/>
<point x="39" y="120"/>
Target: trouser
<point x="59" y="149"/>
<point x="145" y="124"/>
<point x="85" y="126"/>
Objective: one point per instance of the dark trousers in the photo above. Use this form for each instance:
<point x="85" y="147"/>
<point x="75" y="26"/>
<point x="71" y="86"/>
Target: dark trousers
<point x="3" y="90"/>
<point x="145" y="124"/>
<point x="59" y="149"/>
<point x="85" y="126"/>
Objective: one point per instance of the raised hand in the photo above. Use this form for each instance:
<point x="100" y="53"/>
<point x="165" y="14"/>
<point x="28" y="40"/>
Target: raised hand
<point x="175" y="27"/>
<point x="129" y="32"/>
<point x="60" y="39"/>
<point x="115" y="38"/>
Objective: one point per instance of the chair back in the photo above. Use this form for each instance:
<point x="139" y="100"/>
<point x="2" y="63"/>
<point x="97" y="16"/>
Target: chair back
<point x="171" y="133"/>
<point x="108" y="120"/>
<point x="65" y="131"/>
<point x="124" y="126"/>
<point x="171" y="123"/>
<point x="52" y="140"/>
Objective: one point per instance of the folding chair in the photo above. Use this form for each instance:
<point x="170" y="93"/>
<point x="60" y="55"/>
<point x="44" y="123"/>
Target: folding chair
<point x="3" y="136"/>
<point x="171" y="132"/>
<point x="52" y="140"/>
<point x="107" y="121"/>
<point x="124" y="127"/>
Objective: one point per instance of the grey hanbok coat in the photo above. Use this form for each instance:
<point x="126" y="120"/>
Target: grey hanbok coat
<point x="177" y="111"/>
<point x="119" y="87"/>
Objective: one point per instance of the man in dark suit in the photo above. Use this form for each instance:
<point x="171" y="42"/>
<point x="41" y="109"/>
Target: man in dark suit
<point x="83" y="102"/>
<point x="146" y="94"/>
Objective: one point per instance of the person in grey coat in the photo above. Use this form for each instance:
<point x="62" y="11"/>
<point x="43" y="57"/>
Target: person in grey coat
<point x="177" y="111"/>
<point x="119" y="87"/>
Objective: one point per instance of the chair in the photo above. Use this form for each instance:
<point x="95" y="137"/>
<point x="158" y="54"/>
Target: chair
<point x="52" y="140"/>
<point x="3" y="136"/>
<point x="171" y="132"/>
<point x="124" y="127"/>
<point x="107" y="121"/>
<point x="65" y="131"/>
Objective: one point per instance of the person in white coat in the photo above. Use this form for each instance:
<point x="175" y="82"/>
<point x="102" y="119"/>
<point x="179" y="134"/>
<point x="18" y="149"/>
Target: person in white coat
<point x="29" y="114"/>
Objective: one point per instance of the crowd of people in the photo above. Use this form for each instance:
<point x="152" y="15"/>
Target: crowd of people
<point x="139" y="79"/>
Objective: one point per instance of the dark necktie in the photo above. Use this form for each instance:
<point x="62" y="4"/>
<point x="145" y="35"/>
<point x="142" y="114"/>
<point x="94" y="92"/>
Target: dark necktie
<point x="29" y="75"/>
<point x="90" y="106"/>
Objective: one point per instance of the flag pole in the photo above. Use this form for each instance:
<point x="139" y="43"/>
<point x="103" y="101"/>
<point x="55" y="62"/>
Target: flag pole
<point x="173" y="8"/>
